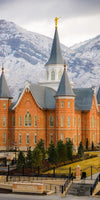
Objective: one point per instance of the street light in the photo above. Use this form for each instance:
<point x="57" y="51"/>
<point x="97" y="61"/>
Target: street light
<point x="15" y="150"/>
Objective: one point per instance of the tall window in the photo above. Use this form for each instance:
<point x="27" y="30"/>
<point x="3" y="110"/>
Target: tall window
<point x="59" y="75"/>
<point x="14" y="121"/>
<point x="79" y="122"/>
<point x="20" y="138"/>
<point x="35" y="138"/>
<point x="51" y="121"/>
<point x="92" y="121"/>
<point x="4" y="138"/>
<point x="27" y="138"/>
<point x="68" y="121"/>
<point x="75" y="138"/>
<point x="4" y="105"/>
<point x="28" y="119"/>
<point x="52" y="75"/>
<point x="74" y="121"/>
<point x="62" y="136"/>
<point x="62" y="104"/>
<point x="20" y="120"/>
<point x="47" y="75"/>
<point x="35" y="121"/>
<point x="68" y="104"/>
<point x="97" y="123"/>
<point x="51" y="138"/>
<point x="62" y="121"/>
<point x="4" y="121"/>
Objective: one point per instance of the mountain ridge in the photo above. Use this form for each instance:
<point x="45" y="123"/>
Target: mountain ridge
<point x="25" y="53"/>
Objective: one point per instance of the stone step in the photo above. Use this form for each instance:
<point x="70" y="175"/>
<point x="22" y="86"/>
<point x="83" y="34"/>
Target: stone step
<point x="79" y="189"/>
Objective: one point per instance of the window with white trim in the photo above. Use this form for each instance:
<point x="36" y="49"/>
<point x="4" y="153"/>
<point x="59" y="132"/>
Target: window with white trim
<point x="62" y="136"/>
<point x="68" y="104"/>
<point x="19" y="138"/>
<point x="51" y="138"/>
<point x="35" y="121"/>
<point x="20" y="120"/>
<point x="59" y="75"/>
<point x="28" y="119"/>
<point x="27" y="138"/>
<point x="51" y="121"/>
<point x="79" y="122"/>
<point x="35" y="138"/>
<point x="14" y="121"/>
<point x="62" y="121"/>
<point x="62" y="104"/>
<point x="4" y="105"/>
<point x="52" y="75"/>
<point x="68" y="121"/>
<point x="4" y="121"/>
<point x="4" y="138"/>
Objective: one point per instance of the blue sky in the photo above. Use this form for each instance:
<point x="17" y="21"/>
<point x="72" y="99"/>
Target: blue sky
<point x="80" y="19"/>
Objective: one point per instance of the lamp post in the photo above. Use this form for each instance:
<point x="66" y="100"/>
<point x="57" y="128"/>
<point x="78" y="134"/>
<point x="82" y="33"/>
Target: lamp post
<point x="15" y="150"/>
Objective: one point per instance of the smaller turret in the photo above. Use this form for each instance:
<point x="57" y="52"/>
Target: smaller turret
<point x="4" y="90"/>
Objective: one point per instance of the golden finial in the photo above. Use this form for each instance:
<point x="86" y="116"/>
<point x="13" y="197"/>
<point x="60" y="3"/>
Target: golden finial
<point x="56" y="21"/>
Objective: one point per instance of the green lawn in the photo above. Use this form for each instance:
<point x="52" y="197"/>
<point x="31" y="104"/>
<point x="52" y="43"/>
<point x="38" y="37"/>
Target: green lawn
<point x="85" y="166"/>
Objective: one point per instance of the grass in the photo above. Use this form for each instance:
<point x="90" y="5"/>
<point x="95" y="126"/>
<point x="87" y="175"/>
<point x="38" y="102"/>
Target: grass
<point x="85" y="166"/>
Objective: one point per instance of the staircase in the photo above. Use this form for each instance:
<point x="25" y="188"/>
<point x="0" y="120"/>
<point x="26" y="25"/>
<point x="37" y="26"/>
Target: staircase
<point x="79" y="189"/>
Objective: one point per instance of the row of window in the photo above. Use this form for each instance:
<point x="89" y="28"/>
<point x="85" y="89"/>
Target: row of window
<point x="27" y="138"/>
<point x="27" y="120"/>
<point x="62" y="104"/>
<point x="93" y="122"/>
<point x="68" y="121"/>
<point x="53" y="75"/>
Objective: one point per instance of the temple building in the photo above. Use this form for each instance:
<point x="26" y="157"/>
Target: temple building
<point x="51" y="110"/>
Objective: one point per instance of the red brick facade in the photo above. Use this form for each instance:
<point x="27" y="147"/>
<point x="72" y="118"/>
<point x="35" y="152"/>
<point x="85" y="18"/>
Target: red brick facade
<point x="66" y="122"/>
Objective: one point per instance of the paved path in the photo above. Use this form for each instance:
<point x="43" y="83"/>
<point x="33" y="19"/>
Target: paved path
<point x="33" y="197"/>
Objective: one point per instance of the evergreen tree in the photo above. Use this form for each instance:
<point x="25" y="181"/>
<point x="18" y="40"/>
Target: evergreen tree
<point x="52" y="154"/>
<point x="69" y="150"/>
<point x="36" y="157"/>
<point x="21" y="159"/>
<point x="92" y="146"/>
<point x="29" y="158"/>
<point x="81" y="150"/>
<point x="87" y="143"/>
<point x="40" y="145"/>
<point x="61" y="152"/>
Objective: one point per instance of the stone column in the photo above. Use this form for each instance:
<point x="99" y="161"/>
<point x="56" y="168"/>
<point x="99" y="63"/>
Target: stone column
<point x="78" y="173"/>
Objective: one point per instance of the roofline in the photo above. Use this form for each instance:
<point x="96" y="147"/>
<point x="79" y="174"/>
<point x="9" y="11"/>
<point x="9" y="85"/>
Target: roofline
<point x="64" y="97"/>
<point x="26" y="88"/>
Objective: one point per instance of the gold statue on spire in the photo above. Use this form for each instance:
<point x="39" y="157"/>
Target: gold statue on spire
<point x="56" y="21"/>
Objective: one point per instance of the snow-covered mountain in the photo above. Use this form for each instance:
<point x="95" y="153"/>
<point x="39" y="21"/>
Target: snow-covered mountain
<point x="25" y="53"/>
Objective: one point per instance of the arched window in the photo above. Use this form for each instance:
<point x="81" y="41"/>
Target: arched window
<point x="59" y="75"/>
<point x="51" y="121"/>
<point x="52" y="75"/>
<point x="47" y="75"/>
<point x="28" y="119"/>
<point x="62" y="121"/>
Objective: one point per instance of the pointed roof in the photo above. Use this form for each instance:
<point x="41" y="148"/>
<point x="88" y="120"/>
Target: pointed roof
<point x="64" y="88"/>
<point x="98" y="96"/>
<point x="4" y="90"/>
<point x="56" y="54"/>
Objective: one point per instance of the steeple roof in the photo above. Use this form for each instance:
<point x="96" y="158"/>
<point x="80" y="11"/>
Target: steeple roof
<point x="98" y="96"/>
<point x="56" y="54"/>
<point x="64" y="88"/>
<point x="4" y="90"/>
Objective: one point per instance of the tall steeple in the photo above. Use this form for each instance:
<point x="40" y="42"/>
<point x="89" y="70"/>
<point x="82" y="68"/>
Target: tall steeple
<point x="4" y="90"/>
<point x="64" y="88"/>
<point x="56" y="54"/>
<point x="54" y="65"/>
